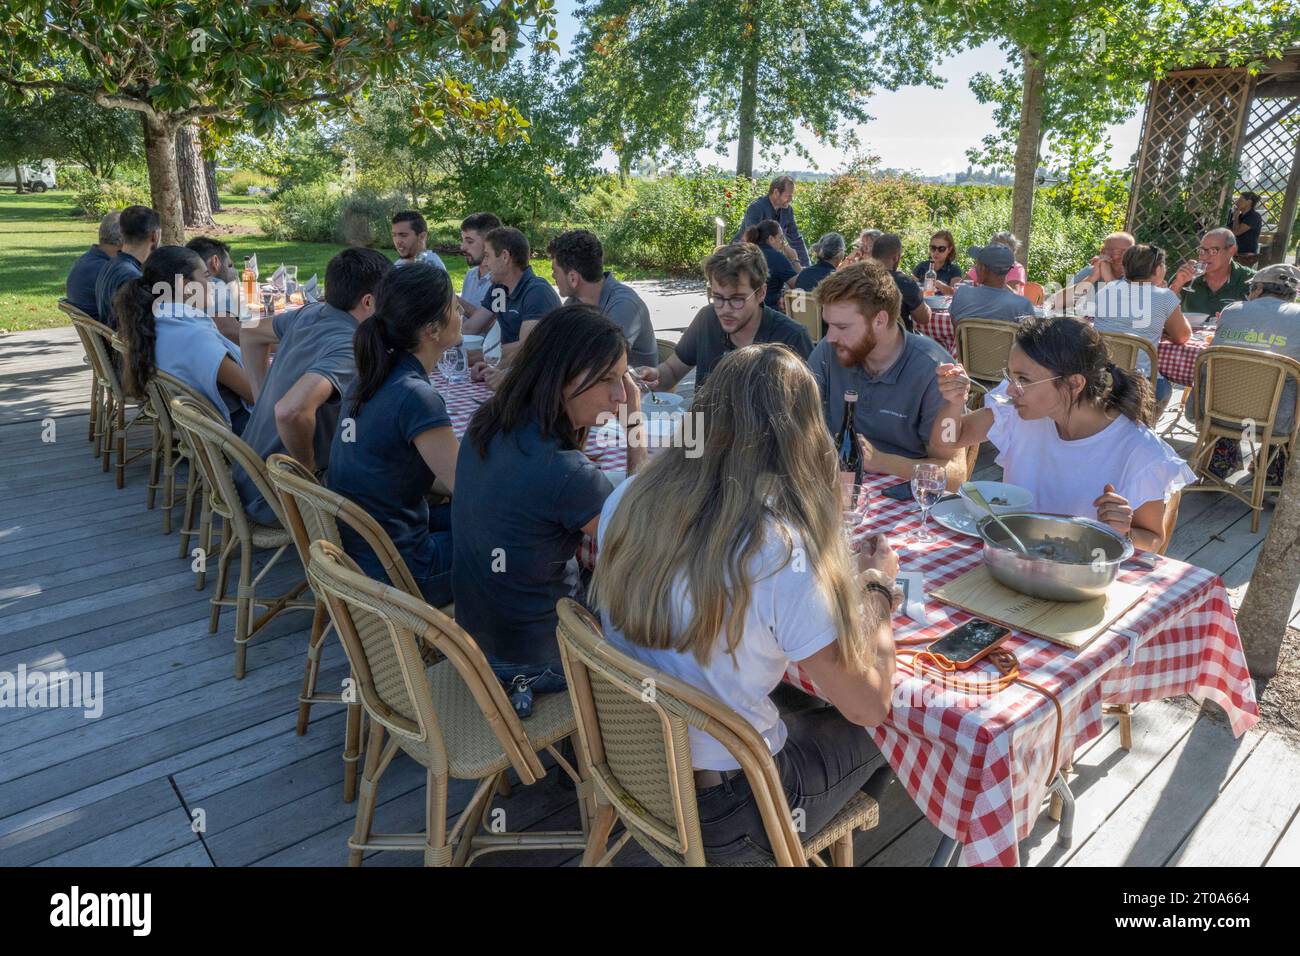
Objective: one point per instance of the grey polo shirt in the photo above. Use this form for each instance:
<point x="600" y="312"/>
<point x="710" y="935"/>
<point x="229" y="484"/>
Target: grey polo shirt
<point x="628" y="311"/>
<point x="897" y="409"/>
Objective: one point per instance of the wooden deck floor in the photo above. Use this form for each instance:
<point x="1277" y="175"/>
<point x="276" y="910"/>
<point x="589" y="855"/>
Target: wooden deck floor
<point x="89" y="583"/>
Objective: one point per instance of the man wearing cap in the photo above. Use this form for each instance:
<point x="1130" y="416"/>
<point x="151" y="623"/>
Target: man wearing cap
<point x="776" y="205"/>
<point x="990" y="299"/>
<point x="1268" y="320"/>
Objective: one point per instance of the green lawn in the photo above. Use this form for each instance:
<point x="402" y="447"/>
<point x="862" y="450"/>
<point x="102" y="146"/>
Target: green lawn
<point x="40" y="238"/>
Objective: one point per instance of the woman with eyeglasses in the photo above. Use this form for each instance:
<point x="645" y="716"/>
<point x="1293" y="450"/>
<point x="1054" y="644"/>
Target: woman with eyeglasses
<point x="1076" y="433"/>
<point x="943" y="249"/>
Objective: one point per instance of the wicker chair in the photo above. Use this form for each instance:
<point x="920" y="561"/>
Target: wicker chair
<point x="804" y="308"/>
<point x="218" y="450"/>
<point x="1241" y="386"/>
<point x="452" y="718"/>
<point x="1125" y="348"/>
<point x="1034" y="292"/>
<point x="982" y="348"/>
<point x="638" y="748"/>
<point x="96" y="382"/>
<point x="112" y="425"/>
<point x="312" y="513"/>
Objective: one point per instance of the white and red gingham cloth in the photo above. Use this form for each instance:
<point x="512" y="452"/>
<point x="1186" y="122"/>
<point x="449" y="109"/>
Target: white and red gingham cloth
<point x="1176" y="362"/>
<point x="977" y="765"/>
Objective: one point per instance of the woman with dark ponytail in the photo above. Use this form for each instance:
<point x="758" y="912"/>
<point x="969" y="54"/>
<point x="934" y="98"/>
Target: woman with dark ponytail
<point x="1077" y="432"/>
<point x="161" y="317"/>
<point x="781" y="269"/>
<point x="395" y="435"/>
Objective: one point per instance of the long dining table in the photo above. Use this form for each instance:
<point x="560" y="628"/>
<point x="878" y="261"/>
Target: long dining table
<point x="979" y="767"/>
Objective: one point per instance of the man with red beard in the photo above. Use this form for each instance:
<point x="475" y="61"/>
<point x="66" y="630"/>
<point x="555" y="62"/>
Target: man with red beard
<point x="867" y="350"/>
<point x="735" y="317"/>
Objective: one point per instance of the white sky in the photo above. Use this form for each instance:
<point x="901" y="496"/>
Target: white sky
<point x="956" y="119"/>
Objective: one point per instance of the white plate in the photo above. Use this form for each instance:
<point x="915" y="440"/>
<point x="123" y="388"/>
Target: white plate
<point x="1196" y="319"/>
<point x="938" y="301"/>
<point x="1017" y="498"/>
<point x="657" y="403"/>
<point x="951" y="513"/>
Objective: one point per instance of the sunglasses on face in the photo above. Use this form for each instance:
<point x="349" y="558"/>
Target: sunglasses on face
<point x="938" y="248"/>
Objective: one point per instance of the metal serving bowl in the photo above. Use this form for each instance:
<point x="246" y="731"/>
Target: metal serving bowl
<point x="1091" y="555"/>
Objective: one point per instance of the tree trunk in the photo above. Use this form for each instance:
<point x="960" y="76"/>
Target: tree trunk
<point x="210" y="174"/>
<point x="1267" y="607"/>
<point x="164" y="185"/>
<point x="748" y="109"/>
<point x="1027" y="145"/>
<point x="195" y="204"/>
<point x="18" y="179"/>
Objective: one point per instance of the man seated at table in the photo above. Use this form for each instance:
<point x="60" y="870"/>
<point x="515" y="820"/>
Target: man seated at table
<point x="1108" y="264"/>
<point x="1223" y="282"/>
<point x="478" y="280"/>
<point x="141" y="234"/>
<point x="518" y="299"/>
<point x="223" y="303"/>
<point x="867" y="350"/>
<point x="578" y="265"/>
<point x="888" y="250"/>
<point x="80" y="287"/>
<point x="298" y="398"/>
<point x="1269" y="320"/>
<point x="989" y="298"/>
<point x="411" y="238"/>
<point x="735" y="317"/>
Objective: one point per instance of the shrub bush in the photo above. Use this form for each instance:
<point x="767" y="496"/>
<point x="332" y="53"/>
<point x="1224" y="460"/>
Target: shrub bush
<point x="96" y="197"/>
<point x="307" y="213"/>
<point x="237" y="181"/>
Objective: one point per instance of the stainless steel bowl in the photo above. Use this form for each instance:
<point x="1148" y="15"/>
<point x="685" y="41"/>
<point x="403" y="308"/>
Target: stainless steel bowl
<point x="1092" y="554"/>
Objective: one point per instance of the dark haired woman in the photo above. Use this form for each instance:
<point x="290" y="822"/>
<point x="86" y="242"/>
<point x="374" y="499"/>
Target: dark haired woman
<point x="943" y="252"/>
<point x="1077" y="433"/>
<point x="162" y="318"/>
<point x="781" y="271"/>
<point x="526" y="492"/>
<point x="395" y="434"/>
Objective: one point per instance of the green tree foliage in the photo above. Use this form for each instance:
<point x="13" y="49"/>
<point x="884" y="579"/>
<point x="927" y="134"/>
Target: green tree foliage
<point x="227" y="63"/>
<point x="677" y="74"/>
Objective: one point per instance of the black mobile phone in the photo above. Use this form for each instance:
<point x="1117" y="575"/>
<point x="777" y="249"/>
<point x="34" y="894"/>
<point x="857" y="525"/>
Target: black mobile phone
<point x="967" y="644"/>
<point x="899" y="492"/>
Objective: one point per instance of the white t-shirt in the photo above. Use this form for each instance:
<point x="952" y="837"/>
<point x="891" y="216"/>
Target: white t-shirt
<point x="787" y="620"/>
<point x="1137" y="308"/>
<point x="1066" y="477"/>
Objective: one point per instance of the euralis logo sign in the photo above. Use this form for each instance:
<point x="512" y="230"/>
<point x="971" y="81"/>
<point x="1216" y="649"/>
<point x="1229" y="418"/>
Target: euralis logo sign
<point x="76" y="909"/>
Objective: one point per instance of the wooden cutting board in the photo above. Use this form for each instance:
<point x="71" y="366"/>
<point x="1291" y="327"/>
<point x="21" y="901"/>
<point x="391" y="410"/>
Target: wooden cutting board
<point x="1071" y="624"/>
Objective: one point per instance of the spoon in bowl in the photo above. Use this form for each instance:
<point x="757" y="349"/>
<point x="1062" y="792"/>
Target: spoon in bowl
<point x="973" y="493"/>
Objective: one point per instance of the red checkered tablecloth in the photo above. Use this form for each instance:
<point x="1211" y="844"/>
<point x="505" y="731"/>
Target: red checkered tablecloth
<point x="1175" y="361"/>
<point x="978" y="766"/>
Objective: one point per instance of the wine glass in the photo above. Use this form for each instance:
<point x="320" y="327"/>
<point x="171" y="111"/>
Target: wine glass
<point x="290" y="280"/>
<point x="928" y="483"/>
<point x="452" y="365"/>
<point x="852" y="498"/>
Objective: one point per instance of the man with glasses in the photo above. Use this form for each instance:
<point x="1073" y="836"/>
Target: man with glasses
<point x="1223" y="281"/>
<point x="735" y="317"/>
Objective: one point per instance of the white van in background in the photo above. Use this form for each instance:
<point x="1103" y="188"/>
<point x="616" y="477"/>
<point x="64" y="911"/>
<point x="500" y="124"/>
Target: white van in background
<point x="36" y="179"/>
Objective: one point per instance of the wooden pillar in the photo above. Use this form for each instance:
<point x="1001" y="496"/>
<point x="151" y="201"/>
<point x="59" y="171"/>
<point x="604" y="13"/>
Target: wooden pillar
<point x="1286" y="219"/>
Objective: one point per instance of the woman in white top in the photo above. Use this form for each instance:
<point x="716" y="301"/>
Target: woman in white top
<point x="1140" y="304"/>
<point x="1077" y="435"/>
<point x="721" y="569"/>
<point x="162" y="318"/>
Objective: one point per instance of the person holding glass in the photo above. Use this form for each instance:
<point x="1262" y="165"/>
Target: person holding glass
<point x="1072" y="428"/>
<point x="1213" y="281"/>
<point x="735" y="317"/>
<point x="395" y="434"/>
<point x="721" y="569"/>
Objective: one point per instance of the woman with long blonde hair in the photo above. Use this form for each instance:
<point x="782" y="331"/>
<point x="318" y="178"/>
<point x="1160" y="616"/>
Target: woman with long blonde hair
<point x="720" y="569"/>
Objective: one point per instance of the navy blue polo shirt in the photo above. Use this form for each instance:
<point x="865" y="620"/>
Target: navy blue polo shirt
<point x="812" y="277"/>
<point x="381" y="469"/>
<point x="532" y="299"/>
<point x="779" y="271"/>
<point x="117" y="272"/>
<point x="517" y="516"/>
<point x="911" y="295"/>
<point x="948" y="273"/>
<point x="80" y="287"/>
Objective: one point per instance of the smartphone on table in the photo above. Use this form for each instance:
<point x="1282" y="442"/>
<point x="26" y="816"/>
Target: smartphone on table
<point x="967" y="644"/>
<point x="899" y="492"/>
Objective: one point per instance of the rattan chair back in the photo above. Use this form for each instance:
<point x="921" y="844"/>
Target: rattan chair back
<point x="1124" y="349"/>
<point x="983" y="346"/>
<point x="805" y="308"/>
<point x="633" y="725"/>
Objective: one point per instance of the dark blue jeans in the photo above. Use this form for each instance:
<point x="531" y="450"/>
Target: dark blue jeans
<point x="1164" y="389"/>
<point x="825" y="761"/>
<point x="545" y="678"/>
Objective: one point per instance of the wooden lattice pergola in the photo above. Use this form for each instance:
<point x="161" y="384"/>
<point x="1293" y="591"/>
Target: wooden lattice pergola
<point x="1210" y="133"/>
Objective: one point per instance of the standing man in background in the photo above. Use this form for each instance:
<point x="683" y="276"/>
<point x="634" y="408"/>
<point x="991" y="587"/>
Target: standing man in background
<point x="776" y="205"/>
